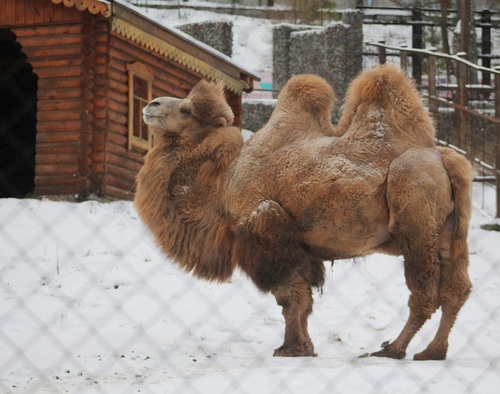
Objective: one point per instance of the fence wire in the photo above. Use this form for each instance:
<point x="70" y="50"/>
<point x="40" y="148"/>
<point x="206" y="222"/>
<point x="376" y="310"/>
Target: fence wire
<point x="87" y="304"/>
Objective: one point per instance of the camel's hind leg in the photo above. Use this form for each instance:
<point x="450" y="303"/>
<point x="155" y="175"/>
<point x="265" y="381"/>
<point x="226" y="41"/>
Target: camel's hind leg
<point x="418" y="195"/>
<point x="422" y="279"/>
<point x="454" y="290"/>
<point x="455" y="284"/>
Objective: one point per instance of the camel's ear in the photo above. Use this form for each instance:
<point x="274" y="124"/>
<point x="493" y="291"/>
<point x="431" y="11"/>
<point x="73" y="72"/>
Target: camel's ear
<point x="220" y="121"/>
<point x="225" y="118"/>
<point x="209" y="105"/>
<point x="186" y="108"/>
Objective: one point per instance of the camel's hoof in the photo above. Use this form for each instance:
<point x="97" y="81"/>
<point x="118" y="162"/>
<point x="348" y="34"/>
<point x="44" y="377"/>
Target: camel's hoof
<point x="389" y="352"/>
<point x="429" y="354"/>
<point x="293" y="351"/>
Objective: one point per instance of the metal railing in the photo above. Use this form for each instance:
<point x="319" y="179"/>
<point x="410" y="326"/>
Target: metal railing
<point x="463" y="98"/>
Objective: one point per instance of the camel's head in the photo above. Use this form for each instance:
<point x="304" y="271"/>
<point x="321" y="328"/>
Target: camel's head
<point x="205" y="106"/>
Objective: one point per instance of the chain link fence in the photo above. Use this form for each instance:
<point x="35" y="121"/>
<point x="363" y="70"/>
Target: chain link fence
<point x="88" y="305"/>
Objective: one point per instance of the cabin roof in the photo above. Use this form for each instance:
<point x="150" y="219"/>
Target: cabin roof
<point x="132" y="23"/>
<point x="191" y="40"/>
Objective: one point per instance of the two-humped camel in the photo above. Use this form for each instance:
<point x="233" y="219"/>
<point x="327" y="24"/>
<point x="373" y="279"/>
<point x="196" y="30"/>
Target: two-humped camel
<point x="301" y="192"/>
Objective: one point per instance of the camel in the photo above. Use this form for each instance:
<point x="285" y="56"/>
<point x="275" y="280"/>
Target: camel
<point x="301" y="192"/>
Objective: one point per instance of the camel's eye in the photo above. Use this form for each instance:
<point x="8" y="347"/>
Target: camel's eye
<point x="186" y="108"/>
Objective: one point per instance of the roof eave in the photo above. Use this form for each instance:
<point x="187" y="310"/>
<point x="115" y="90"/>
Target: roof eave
<point x="129" y="14"/>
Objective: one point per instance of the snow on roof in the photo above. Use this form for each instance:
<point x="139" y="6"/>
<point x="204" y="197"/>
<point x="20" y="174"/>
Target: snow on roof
<point x="186" y="37"/>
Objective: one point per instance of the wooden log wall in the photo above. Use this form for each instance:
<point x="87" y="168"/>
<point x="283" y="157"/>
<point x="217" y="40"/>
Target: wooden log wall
<point x="33" y="12"/>
<point x="234" y="101"/>
<point x="101" y="62"/>
<point x="93" y="86"/>
<point x="55" y="54"/>
<point x="82" y="132"/>
<point x="50" y="36"/>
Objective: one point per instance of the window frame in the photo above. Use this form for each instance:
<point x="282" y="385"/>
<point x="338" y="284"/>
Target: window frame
<point x="138" y="70"/>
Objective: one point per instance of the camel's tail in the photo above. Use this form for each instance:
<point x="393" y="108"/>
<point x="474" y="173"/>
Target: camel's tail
<point x="460" y="174"/>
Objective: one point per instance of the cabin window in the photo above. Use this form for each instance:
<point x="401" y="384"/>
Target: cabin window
<point x="140" y="81"/>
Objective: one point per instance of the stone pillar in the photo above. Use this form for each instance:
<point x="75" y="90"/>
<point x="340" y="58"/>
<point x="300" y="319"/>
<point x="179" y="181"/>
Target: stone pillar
<point x="218" y="35"/>
<point x="334" y="52"/>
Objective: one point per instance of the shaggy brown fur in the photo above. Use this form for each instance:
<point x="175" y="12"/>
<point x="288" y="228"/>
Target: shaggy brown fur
<point x="294" y="196"/>
<point x="178" y="187"/>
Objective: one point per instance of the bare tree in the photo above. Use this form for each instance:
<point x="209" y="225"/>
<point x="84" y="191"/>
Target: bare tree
<point x="310" y="11"/>
<point x="443" y="22"/>
<point x="467" y="38"/>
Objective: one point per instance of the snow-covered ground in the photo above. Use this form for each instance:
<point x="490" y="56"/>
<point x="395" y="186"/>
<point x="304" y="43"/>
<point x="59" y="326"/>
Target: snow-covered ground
<point x="88" y="305"/>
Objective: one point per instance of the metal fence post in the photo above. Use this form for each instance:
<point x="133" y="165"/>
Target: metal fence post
<point x="486" y="44"/>
<point x="497" y="147"/>
<point x="417" y="41"/>
<point x="432" y="83"/>
<point x="461" y="115"/>
<point x="404" y="60"/>
<point x="382" y="53"/>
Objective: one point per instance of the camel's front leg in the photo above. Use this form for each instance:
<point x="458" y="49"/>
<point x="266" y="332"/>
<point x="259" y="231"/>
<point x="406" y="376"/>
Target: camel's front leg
<point x="296" y="301"/>
<point x="270" y="251"/>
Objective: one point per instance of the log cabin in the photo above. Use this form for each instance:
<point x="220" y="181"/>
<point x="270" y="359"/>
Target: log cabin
<point x="74" y="76"/>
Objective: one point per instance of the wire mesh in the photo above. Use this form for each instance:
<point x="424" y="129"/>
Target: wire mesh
<point x="88" y="304"/>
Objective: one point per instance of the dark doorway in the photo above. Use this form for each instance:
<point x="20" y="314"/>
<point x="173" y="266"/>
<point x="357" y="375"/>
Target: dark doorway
<point x="18" y="105"/>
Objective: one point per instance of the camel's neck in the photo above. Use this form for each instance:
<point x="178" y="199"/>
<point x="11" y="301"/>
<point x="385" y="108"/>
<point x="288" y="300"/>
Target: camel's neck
<point x="179" y="199"/>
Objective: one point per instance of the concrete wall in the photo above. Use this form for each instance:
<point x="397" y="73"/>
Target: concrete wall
<point x="256" y="113"/>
